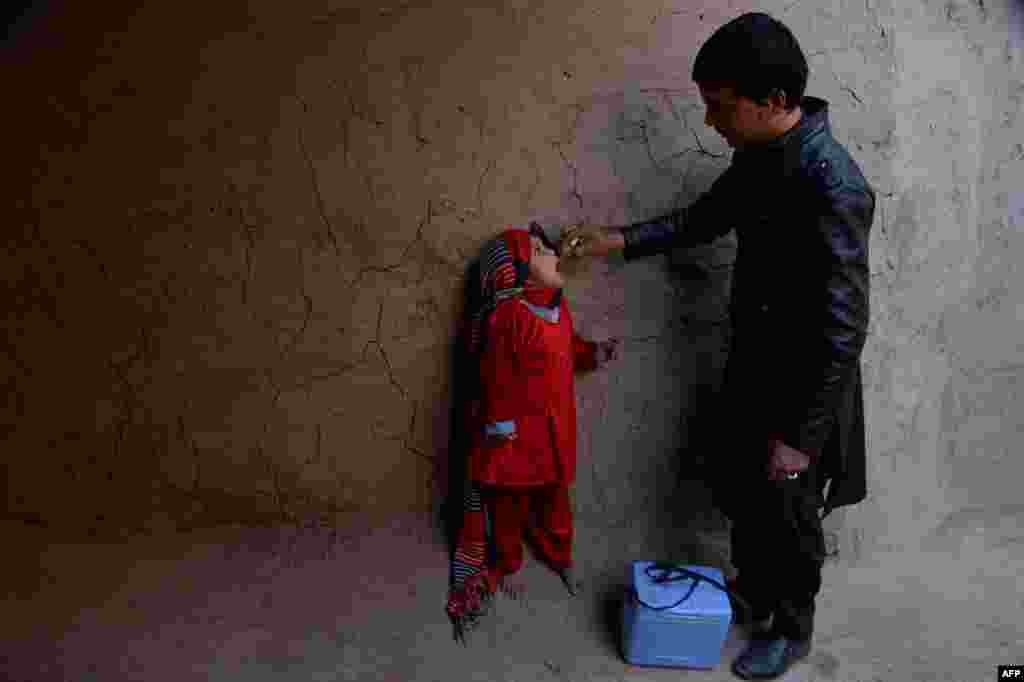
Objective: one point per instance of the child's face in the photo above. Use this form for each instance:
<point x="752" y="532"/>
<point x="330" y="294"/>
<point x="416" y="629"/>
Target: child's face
<point x="544" y="265"/>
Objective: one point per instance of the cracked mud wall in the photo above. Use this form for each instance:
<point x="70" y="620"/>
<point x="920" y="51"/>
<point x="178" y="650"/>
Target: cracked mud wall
<point x="237" y="239"/>
<point x="238" y="244"/>
<point x="942" y="368"/>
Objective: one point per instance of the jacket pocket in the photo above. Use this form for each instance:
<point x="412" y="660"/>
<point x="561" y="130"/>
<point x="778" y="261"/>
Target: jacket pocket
<point x="531" y="458"/>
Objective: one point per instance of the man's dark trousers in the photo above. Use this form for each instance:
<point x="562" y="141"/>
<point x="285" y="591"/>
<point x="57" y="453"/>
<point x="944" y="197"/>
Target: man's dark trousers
<point x="778" y="549"/>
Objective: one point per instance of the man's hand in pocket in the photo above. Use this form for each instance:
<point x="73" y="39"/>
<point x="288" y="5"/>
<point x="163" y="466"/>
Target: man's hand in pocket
<point x="785" y="460"/>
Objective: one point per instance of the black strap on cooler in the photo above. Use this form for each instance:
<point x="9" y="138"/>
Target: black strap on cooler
<point x="667" y="572"/>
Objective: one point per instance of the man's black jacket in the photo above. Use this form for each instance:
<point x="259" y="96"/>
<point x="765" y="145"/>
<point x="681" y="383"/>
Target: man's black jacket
<point x="802" y="211"/>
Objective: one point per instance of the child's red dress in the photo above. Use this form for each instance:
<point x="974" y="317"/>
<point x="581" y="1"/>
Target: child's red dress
<point x="528" y="390"/>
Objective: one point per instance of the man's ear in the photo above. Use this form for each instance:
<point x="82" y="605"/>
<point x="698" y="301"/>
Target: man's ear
<point x="779" y="99"/>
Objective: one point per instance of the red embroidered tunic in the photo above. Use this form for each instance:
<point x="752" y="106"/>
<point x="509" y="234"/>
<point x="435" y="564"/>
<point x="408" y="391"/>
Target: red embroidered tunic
<point x="528" y="389"/>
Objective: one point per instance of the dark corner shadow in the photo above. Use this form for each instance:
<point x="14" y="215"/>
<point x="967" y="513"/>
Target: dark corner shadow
<point x="612" y="599"/>
<point x="463" y="375"/>
<point x="18" y="16"/>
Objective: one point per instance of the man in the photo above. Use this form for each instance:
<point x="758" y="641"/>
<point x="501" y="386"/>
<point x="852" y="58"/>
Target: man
<point x="802" y="211"/>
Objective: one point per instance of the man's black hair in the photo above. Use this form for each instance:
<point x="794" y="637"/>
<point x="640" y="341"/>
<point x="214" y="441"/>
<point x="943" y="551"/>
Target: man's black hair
<point x="756" y="55"/>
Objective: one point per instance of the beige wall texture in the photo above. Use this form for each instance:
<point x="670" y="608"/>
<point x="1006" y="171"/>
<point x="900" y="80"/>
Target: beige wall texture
<point x="235" y="235"/>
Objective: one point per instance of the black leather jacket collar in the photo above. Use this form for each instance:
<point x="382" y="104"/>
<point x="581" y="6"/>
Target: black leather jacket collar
<point x="787" y="146"/>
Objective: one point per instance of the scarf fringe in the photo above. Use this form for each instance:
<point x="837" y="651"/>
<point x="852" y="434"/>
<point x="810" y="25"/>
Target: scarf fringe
<point x="468" y="605"/>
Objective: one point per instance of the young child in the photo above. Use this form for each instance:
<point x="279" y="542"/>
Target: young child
<point x="522" y="457"/>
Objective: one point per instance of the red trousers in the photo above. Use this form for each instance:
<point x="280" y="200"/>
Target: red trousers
<point x="540" y="515"/>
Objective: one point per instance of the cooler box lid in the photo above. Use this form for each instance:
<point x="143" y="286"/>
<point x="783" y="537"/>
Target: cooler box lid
<point x="706" y="599"/>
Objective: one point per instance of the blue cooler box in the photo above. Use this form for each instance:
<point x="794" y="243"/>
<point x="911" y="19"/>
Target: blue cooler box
<point x="689" y="635"/>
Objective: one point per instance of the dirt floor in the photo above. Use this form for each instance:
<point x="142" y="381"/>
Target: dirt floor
<point x="366" y="603"/>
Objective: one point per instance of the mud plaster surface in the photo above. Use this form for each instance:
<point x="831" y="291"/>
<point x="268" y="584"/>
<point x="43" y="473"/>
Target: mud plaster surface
<point x="237" y="237"/>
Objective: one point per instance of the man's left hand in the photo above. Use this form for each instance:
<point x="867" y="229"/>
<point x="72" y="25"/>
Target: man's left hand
<point x="785" y="460"/>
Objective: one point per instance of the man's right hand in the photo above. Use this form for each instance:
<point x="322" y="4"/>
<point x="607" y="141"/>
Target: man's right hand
<point x="590" y="240"/>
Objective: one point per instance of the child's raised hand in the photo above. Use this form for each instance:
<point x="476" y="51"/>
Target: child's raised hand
<point x="607" y="351"/>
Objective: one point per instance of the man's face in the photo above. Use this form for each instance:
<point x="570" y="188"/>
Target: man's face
<point x="739" y="120"/>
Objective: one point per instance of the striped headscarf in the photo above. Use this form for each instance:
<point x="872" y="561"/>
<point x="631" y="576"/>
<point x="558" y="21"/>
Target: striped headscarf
<point x="504" y="268"/>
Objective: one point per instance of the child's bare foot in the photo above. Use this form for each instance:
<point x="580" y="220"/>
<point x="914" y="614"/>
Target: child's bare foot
<point x="514" y="588"/>
<point x="568" y="577"/>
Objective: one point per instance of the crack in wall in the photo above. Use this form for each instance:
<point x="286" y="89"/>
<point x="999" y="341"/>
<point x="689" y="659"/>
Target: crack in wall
<point x="402" y="261"/>
<point x="410" y="435"/>
<point x="477" y="121"/>
<point x="93" y="254"/>
<point x="661" y="14"/>
<point x="273" y="471"/>
<point x="480" y="184"/>
<point x="300" y="334"/>
<point x="378" y="342"/>
<point x="847" y="89"/>
<point x="315" y="183"/>
<point x="309" y="382"/>
<point x="574" y="192"/>
<point x="792" y="5"/>
<point x="249" y="241"/>
<point x="318" y="443"/>
<point x="873" y="13"/>
<point x="408" y="66"/>
<point x="642" y="127"/>
<point x="190" y="444"/>
<point x="128" y="398"/>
